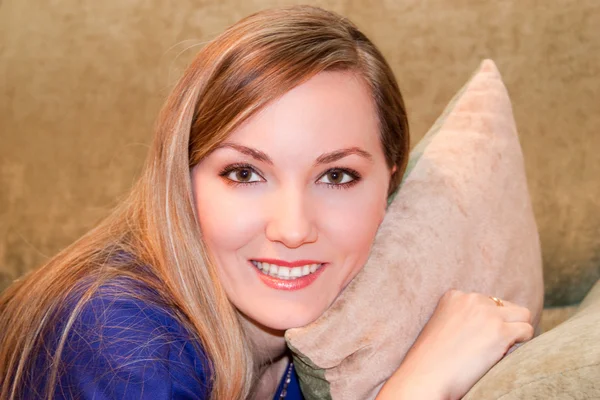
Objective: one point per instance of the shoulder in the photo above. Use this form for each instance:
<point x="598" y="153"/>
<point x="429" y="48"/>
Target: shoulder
<point x="122" y="346"/>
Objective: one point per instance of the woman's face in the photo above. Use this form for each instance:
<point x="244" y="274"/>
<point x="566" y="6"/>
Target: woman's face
<point x="290" y="203"/>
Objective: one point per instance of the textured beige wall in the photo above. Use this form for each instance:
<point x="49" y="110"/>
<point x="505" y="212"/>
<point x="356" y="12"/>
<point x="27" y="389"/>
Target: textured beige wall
<point x="81" y="83"/>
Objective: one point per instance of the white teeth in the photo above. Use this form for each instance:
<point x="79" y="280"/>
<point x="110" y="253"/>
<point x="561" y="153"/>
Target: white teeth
<point x="286" y="272"/>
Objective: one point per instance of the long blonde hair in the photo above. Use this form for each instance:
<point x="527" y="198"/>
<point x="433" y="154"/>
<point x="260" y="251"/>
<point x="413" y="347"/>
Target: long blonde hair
<point x="249" y="65"/>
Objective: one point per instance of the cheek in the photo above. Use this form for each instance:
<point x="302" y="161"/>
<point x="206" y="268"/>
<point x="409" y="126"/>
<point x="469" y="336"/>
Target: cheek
<point x="227" y="222"/>
<point x="352" y="224"/>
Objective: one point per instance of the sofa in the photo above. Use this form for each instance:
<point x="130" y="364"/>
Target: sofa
<point x="82" y="83"/>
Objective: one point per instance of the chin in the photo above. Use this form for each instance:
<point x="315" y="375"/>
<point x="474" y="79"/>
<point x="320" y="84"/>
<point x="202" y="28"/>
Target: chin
<point x="286" y="319"/>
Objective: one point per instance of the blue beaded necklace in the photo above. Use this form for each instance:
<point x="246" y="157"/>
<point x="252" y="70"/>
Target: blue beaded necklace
<point x="286" y="382"/>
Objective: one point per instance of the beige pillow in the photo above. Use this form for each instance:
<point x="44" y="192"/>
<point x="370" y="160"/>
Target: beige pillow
<point x="461" y="219"/>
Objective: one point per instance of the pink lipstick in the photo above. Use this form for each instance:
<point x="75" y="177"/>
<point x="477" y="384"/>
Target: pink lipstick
<point x="285" y="275"/>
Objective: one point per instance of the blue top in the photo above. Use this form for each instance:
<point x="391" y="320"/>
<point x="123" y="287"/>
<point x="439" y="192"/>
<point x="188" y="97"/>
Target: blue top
<point x="123" y="348"/>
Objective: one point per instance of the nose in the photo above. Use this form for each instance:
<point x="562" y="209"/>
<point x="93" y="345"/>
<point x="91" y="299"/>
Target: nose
<point x="290" y="219"/>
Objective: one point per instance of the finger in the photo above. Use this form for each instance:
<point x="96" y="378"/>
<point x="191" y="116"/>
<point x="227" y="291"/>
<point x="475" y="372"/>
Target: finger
<point x="515" y="313"/>
<point x="519" y="332"/>
<point x="507" y="303"/>
<point x="512" y="312"/>
<point x="489" y="299"/>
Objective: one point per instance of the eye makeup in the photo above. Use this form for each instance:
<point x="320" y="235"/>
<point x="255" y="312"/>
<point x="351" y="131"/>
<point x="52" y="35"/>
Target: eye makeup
<point x="345" y="185"/>
<point x="226" y="171"/>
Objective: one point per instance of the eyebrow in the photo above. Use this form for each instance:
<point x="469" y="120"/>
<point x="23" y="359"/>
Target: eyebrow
<point x="249" y="151"/>
<point x="339" y="154"/>
<point x="325" y="158"/>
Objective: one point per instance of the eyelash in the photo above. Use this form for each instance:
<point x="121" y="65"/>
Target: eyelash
<point x="230" y="168"/>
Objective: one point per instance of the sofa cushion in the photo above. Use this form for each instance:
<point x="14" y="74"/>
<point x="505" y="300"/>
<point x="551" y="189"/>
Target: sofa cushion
<point x="563" y="363"/>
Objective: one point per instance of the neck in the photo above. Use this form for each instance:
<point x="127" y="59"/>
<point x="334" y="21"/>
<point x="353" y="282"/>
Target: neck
<point x="268" y="345"/>
<point x="270" y="356"/>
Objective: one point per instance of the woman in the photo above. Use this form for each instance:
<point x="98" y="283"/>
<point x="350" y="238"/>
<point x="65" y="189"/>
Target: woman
<point x="238" y="230"/>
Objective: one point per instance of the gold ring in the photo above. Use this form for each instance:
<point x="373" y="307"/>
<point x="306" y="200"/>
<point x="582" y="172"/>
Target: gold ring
<point x="498" y="302"/>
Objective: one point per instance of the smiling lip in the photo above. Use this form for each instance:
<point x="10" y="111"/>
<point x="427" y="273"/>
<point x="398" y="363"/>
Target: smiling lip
<point x="282" y="263"/>
<point x="288" y="284"/>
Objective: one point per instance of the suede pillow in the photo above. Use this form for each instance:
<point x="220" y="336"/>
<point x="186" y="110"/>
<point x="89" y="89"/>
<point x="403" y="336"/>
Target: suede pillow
<point x="461" y="219"/>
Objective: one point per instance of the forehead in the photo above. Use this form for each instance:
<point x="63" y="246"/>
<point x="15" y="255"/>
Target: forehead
<point x="330" y="110"/>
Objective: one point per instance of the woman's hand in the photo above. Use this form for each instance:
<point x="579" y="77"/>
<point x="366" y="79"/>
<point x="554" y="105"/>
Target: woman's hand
<point x="467" y="334"/>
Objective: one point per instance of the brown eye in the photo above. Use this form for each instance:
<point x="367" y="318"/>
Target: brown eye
<point x="243" y="175"/>
<point x="337" y="177"/>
